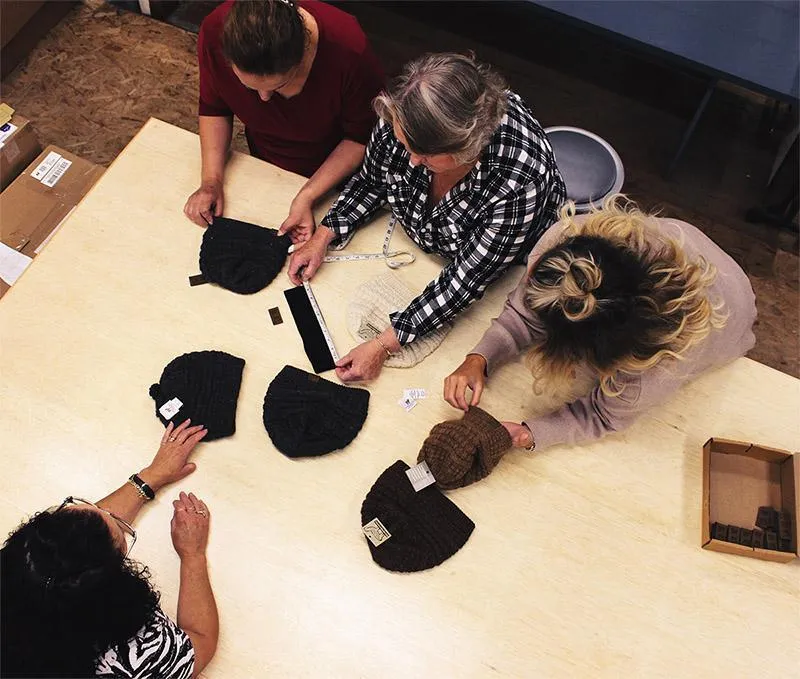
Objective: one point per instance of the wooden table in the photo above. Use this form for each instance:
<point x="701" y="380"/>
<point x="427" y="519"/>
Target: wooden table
<point x="585" y="562"/>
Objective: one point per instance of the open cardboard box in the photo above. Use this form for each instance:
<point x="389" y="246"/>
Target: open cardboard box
<point x="738" y="478"/>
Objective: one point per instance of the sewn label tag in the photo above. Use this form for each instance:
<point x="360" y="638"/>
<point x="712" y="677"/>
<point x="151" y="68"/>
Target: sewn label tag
<point x="197" y="279"/>
<point x="420" y="476"/>
<point x="170" y="408"/>
<point x="376" y="532"/>
<point x="275" y="316"/>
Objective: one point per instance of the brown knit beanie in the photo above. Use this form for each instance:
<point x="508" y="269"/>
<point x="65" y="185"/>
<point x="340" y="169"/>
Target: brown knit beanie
<point x="461" y="452"/>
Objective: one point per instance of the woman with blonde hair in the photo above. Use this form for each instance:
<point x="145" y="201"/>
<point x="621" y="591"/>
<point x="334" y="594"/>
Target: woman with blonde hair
<point x="468" y="172"/>
<point x="645" y="304"/>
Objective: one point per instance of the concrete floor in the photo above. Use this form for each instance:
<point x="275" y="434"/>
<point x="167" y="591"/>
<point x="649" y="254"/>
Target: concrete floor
<point x="102" y="72"/>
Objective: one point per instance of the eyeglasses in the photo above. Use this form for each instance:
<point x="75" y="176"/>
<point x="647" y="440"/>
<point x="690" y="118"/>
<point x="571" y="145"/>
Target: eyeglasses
<point x="127" y="529"/>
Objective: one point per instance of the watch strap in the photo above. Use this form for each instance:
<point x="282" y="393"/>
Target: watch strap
<point x="144" y="490"/>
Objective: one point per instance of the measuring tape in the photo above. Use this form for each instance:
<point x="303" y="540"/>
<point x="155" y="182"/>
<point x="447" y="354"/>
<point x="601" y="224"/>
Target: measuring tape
<point x="322" y="326"/>
<point x="394" y="260"/>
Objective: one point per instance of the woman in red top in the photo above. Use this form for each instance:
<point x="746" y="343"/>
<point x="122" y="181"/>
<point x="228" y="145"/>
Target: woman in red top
<point x="301" y="76"/>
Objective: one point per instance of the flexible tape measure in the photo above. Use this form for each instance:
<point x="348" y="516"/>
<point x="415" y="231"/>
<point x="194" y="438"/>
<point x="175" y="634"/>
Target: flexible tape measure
<point x="394" y="260"/>
<point x="318" y="314"/>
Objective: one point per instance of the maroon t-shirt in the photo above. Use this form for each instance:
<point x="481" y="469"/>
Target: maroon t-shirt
<point x="299" y="133"/>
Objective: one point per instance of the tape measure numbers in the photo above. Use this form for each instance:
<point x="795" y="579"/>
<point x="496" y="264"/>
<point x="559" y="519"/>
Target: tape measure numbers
<point x="322" y="326"/>
<point x="394" y="260"/>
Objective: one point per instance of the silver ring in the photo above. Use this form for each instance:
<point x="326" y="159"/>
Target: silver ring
<point x="171" y="439"/>
<point x="202" y="512"/>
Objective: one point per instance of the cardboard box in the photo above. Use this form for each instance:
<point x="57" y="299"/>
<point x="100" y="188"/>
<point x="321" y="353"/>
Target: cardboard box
<point x="738" y="478"/>
<point x="18" y="148"/>
<point x="37" y="202"/>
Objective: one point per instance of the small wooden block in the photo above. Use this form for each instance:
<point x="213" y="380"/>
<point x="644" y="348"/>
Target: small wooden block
<point x="758" y="539"/>
<point x="771" y="539"/>
<point x="719" y="531"/>
<point x="767" y="518"/>
<point x="733" y="533"/>
<point x="746" y="537"/>
<point x="785" y="527"/>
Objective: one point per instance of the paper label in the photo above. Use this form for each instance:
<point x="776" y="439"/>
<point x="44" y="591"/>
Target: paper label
<point x="420" y="476"/>
<point x="12" y="264"/>
<point x="416" y="394"/>
<point x="407" y="403"/>
<point x="58" y="170"/>
<point x="6" y="131"/>
<point x="41" y="170"/>
<point x="376" y="532"/>
<point x="170" y="408"/>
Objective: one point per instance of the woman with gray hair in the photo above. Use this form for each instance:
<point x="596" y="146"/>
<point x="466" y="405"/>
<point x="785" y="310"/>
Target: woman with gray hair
<point x="468" y="172"/>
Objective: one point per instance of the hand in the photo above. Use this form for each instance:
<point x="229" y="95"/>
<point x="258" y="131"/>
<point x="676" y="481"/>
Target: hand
<point x="169" y="464"/>
<point x="307" y="258"/>
<point x="521" y="436"/>
<point x="362" y="363"/>
<point x="205" y="203"/>
<point x="189" y="525"/>
<point x="300" y="224"/>
<point x="471" y="373"/>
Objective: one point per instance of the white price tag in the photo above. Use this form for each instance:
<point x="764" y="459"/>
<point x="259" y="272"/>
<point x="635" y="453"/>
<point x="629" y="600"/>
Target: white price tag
<point x="376" y="532"/>
<point x="407" y="403"/>
<point x="170" y="408"/>
<point x="416" y="394"/>
<point x="420" y="476"/>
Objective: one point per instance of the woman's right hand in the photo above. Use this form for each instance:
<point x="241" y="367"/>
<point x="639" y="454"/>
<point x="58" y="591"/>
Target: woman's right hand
<point x="205" y="203"/>
<point x="471" y="373"/>
<point x="308" y="257"/>
<point x="189" y="526"/>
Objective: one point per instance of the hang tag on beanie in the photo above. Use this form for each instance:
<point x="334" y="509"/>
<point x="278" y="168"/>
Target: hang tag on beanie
<point x="420" y="476"/>
<point x="376" y="532"/>
<point x="170" y="408"/>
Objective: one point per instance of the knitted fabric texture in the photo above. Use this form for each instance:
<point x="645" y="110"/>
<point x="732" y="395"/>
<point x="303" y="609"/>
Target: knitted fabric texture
<point x="242" y="257"/>
<point x="426" y="527"/>
<point x="207" y="385"/>
<point x="306" y="415"/>
<point x="461" y="452"/>
<point x="368" y="316"/>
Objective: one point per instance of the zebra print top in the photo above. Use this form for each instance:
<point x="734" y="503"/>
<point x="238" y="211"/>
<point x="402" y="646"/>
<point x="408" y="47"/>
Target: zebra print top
<point x="160" y="650"/>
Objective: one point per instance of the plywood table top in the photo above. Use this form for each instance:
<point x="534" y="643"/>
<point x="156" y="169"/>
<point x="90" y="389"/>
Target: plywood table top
<point x="585" y="561"/>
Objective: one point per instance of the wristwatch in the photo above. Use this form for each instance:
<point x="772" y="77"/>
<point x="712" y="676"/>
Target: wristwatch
<point x="144" y="490"/>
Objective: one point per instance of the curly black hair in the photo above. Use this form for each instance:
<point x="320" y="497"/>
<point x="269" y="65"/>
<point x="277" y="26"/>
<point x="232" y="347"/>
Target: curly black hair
<point x="68" y="595"/>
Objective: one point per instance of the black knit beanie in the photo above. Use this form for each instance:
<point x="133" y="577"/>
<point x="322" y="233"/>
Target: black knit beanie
<point x="426" y="528"/>
<point x="306" y="415"/>
<point x="242" y="257"/>
<point x="203" y="386"/>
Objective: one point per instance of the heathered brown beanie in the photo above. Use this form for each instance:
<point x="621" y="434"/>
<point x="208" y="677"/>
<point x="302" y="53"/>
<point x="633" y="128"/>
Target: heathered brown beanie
<point x="461" y="452"/>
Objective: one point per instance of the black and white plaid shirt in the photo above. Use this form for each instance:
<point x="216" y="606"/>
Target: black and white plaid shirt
<point x="487" y="222"/>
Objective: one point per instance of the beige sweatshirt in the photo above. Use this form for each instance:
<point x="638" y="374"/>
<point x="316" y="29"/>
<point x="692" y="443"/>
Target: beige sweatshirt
<point x="596" y="413"/>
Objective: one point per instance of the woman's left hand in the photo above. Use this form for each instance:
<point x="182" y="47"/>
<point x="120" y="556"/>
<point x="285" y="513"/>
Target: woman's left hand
<point x="362" y="363"/>
<point x="170" y="463"/>
<point x="521" y="436"/>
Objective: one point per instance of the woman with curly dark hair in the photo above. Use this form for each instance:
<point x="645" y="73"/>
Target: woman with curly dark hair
<point x="75" y="605"/>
